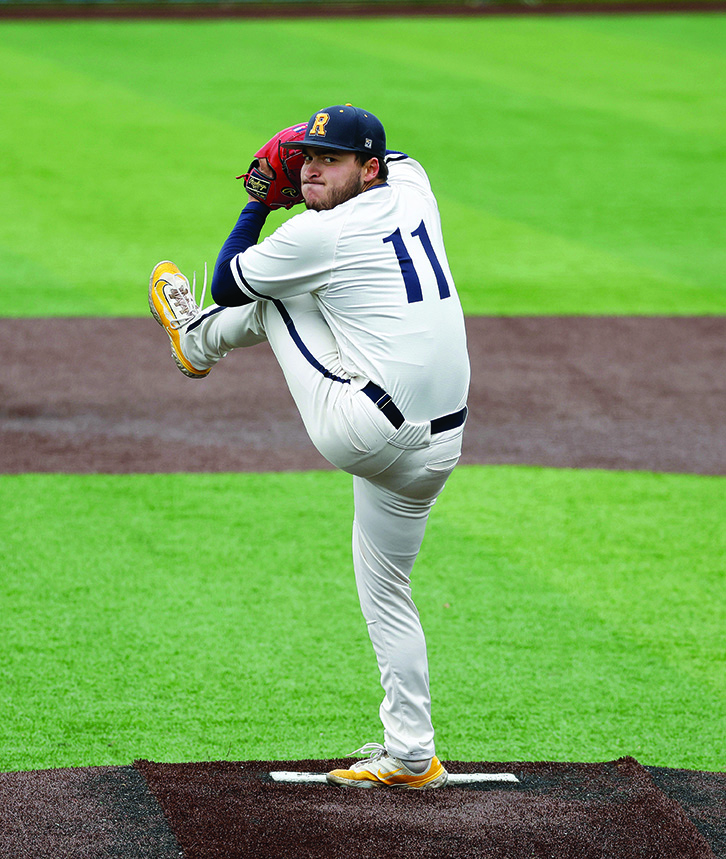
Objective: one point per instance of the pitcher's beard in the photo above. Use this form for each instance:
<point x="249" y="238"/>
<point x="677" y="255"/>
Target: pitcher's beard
<point x="336" y="196"/>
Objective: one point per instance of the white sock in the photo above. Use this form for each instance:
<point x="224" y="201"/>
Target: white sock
<point x="417" y="766"/>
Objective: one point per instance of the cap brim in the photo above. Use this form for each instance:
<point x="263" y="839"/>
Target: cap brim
<point x="301" y="144"/>
<point x="330" y="147"/>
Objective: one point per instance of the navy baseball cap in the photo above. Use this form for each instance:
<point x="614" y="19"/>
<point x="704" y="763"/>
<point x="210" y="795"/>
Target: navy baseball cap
<point x="344" y="127"/>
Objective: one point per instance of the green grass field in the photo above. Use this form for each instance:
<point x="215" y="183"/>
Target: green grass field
<point x="578" y="162"/>
<point x="571" y="615"/>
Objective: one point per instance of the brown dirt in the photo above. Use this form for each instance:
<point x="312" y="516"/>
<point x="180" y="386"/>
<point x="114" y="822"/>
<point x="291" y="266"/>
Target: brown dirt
<point x="86" y="395"/>
<point x="232" y="810"/>
<point x="569" y="811"/>
<point x="83" y="813"/>
<point x="127" y="9"/>
<point x="102" y="395"/>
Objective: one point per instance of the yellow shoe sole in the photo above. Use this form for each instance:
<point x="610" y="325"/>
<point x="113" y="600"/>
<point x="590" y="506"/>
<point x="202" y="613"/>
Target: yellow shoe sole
<point x="162" y="312"/>
<point x="428" y="780"/>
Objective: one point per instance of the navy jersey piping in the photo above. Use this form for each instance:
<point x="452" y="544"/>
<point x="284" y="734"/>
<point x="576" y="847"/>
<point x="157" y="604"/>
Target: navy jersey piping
<point x="304" y="351"/>
<point x="201" y="319"/>
<point x="235" y="261"/>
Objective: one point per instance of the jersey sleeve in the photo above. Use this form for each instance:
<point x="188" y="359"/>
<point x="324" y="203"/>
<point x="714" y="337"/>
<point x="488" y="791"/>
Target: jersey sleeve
<point x="297" y="258"/>
<point x="402" y="169"/>
<point x="246" y="232"/>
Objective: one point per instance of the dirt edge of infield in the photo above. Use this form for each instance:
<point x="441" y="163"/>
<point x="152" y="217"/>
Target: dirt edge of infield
<point x="242" y="10"/>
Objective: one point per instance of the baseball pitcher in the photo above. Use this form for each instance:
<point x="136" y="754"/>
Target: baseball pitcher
<point x="356" y="299"/>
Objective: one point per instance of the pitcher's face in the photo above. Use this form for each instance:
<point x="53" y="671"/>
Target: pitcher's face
<point x="330" y="177"/>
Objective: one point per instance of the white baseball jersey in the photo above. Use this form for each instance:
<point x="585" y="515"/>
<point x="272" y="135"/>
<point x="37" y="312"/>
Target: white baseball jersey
<point x="377" y="267"/>
<point x="364" y="290"/>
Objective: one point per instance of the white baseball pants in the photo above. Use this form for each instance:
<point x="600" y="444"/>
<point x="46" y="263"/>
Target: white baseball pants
<point x="397" y="475"/>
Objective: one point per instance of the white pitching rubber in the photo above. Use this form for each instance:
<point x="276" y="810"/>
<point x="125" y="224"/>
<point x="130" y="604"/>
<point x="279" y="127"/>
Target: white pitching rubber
<point x="298" y="778"/>
<point x="454" y="778"/>
<point x="471" y="778"/>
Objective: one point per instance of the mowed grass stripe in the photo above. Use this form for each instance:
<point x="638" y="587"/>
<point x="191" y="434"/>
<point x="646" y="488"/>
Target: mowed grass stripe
<point x="577" y="161"/>
<point x="570" y="616"/>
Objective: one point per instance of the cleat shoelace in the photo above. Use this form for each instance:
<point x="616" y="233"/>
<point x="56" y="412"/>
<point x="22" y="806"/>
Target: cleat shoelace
<point x="374" y="752"/>
<point x="181" y="301"/>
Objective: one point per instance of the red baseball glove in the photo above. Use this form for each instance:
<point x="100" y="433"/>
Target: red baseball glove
<point x="281" y="190"/>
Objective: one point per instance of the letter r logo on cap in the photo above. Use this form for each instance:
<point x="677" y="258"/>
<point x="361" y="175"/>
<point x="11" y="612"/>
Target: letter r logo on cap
<point x="318" y="128"/>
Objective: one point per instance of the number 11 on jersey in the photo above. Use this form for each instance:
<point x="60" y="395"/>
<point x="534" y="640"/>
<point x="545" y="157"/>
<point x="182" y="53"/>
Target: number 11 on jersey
<point x="408" y="270"/>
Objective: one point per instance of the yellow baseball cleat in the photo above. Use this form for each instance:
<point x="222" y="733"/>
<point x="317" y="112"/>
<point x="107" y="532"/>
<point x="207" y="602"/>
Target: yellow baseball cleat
<point x="383" y="770"/>
<point x="173" y="305"/>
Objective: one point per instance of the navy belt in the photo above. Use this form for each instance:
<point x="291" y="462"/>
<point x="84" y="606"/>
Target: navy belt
<point x="390" y="410"/>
